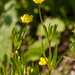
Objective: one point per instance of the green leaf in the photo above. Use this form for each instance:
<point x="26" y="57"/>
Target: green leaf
<point x="3" y="70"/>
<point x="54" y="28"/>
<point x="13" y="64"/>
<point x="43" y="51"/>
<point x="55" y="38"/>
<point x="36" y="70"/>
<point x="50" y="31"/>
<point x="63" y="54"/>
<point x="45" y="30"/>
<point x="72" y="39"/>
<point x="13" y="34"/>
<point x="50" y="59"/>
<point x="16" y="57"/>
<point x="72" y="49"/>
<point x="35" y="50"/>
<point x="54" y="56"/>
<point x="68" y="58"/>
<point x="17" y="43"/>
<point x="60" y="28"/>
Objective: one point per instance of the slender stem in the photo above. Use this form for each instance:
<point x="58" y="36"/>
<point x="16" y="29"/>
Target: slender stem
<point x="24" y="30"/>
<point x="40" y="14"/>
<point x="43" y="25"/>
<point x="50" y="46"/>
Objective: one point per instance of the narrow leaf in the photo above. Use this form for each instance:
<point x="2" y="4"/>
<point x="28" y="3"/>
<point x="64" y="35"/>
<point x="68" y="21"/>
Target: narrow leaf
<point x="50" y="59"/>
<point x="50" y="31"/>
<point x="54" y="28"/>
<point x="45" y="30"/>
<point x="13" y="34"/>
<point x="54" y="56"/>
<point x="63" y="54"/>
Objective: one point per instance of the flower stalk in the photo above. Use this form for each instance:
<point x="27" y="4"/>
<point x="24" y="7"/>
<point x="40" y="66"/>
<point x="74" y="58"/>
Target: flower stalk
<point x="40" y="14"/>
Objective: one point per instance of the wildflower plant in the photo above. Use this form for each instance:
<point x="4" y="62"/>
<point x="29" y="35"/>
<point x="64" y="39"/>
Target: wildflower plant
<point x="18" y="66"/>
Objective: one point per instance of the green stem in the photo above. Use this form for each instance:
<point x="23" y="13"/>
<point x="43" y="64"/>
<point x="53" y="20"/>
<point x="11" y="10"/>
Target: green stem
<point x="49" y="46"/>
<point x="40" y="14"/>
<point x="43" y="25"/>
<point x="24" y="30"/>
<point x="22" y="33"/>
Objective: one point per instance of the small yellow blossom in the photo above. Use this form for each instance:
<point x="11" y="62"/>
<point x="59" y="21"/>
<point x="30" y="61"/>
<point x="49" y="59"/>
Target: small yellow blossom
<point x="31" y="70"/>
<point x="28" y="68"/>
<point x="38" y="1"/>
<point x="18" y="58"/>
<point x="26" y="18"/>
<point x="16" y="74"/>
<point x="43" y="61"/>
<point x="0" y="74"/>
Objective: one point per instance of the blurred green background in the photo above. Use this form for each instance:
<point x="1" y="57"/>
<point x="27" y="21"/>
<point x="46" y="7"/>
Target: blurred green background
<point x="61" y="12"/>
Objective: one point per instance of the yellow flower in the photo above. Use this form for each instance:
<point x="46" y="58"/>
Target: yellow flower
<point x="16" y="74"/>
<point x="0" y="74"/>
<point x="31" y="70"/>
<point x="18" y="58"/>
<point x="28" y="68"/>
<point x="38" y="1"/>
<point x="43" y="61"/>
<point x="26" y="18"/>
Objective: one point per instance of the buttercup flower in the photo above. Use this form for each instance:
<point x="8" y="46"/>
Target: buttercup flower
<point x="18" y="58"/>
<point x="38" y="1"/>
<point x="43" y="61"/>
<point x="26" y="18"/>
<point x="31" y="70"/>
<point x="16" y="74"/>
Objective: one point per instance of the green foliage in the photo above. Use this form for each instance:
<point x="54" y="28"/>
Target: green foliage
<point x="60" y="28"/>
<point x="17" y="42"/>
<point x="51" y="29"/>
<point x="7" y="22"/>
<point x="51" y="24"/>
